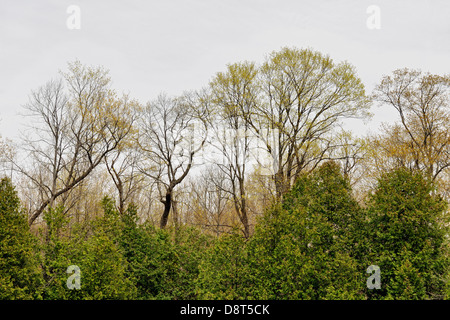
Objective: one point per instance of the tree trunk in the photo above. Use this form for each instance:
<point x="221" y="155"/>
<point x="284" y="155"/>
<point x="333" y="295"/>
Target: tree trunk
<point x="175" y="219"/>
<point x="167" y="205"/>
<point x="279" y="185"/>
<point x="121" y="197"/>
<point x="244" y="221"/>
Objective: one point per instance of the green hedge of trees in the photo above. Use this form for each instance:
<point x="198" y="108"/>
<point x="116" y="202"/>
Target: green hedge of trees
<point x="315" y="244"/>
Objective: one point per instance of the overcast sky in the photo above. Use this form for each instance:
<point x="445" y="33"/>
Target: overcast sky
<point x="171" y="46"/>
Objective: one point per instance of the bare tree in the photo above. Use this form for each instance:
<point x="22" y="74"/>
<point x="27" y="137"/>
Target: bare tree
<point x="77" y="121"/>
<point x="209" y="204"/>
<point x="6" y="153"/>
<point x="122" y="166"/>
<point x="172" y="131"/>
<point x="422" y="139"/>
<point x="233" y="95"/>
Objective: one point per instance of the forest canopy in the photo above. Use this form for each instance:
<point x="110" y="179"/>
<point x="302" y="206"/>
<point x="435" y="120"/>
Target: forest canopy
<point x="248" y="188"/>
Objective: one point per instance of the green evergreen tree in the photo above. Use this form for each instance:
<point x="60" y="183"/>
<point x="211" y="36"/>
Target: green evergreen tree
<point x="191" y="246"/>
<point x="223" y="270"/>
<point x="307" y="247"/>
<point x="161" y="264"/>
<point x="20" y="275"/>
<point x="93" y="248"/>
<point x="408" y="228"/>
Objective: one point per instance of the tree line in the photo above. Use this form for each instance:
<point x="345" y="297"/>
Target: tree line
<point x="248" y="188"/>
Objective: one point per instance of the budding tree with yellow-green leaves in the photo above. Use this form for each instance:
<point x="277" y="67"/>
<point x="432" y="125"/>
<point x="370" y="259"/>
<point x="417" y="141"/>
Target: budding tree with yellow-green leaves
<point x="77" y="121"/>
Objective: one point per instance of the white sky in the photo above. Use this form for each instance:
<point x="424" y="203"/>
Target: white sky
<point x="171" y="46"/>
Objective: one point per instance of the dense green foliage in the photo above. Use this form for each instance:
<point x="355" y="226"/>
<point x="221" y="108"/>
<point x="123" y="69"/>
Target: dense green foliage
<point x="315" y="244"/>
<point x="408" y="237"/>
<point x="224" y="269"/>
<point x="90" y="247"/>
<point x="307" y="247"/>
<point x="19" y="272"/>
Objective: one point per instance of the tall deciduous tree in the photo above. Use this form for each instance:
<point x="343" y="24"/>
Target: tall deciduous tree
<point x="122" y="166"/>
<point x="303" y="96"/>
<point x="77" y="121"/>
<point x="172" y="131"/>
<point x="422" y="138"/>
<point x="233" y="94"/>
